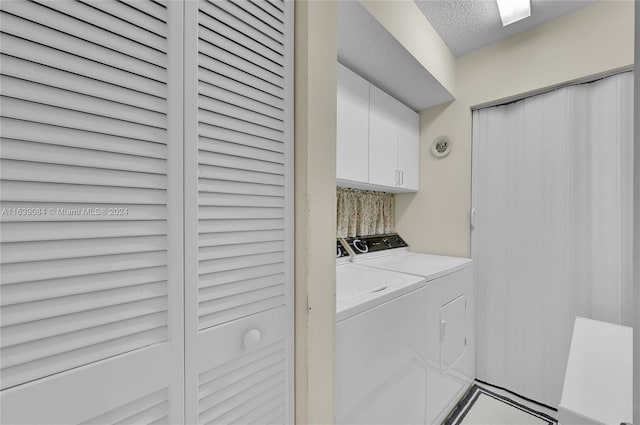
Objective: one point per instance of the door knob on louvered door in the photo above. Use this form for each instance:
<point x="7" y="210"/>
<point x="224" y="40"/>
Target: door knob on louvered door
<point x="252" y="338"/>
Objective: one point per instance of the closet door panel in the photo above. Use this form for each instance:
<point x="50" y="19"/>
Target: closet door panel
<point x="91" y="224"/>
<point x="238" y="222"/>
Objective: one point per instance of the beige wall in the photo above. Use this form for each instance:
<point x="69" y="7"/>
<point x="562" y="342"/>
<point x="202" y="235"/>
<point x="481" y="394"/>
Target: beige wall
<point x="589" y="42"/>
<point x="315" y="208"/>
<point x="407" y="24"/>
<point x="636" y="230"/>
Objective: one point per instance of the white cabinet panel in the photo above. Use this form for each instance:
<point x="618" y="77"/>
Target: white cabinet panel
<point x="377" y="138"/>
<point x="408" y="147"/>
<point x="352" y="156"/>
<point x="383" y="139"/>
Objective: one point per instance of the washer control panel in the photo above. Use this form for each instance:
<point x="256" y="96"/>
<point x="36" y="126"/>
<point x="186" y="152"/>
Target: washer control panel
<point x="341" y="250"/>
<point x="365" y="244"/>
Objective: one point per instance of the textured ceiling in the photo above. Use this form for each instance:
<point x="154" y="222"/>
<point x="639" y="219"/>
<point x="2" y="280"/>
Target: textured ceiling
<point x="466" y="25"/>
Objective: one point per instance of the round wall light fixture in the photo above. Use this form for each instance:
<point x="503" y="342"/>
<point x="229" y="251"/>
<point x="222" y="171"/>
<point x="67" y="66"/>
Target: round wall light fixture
<point x="441" y="147"/>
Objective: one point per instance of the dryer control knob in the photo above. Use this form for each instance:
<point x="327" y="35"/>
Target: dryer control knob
<point x="360" y="246"/>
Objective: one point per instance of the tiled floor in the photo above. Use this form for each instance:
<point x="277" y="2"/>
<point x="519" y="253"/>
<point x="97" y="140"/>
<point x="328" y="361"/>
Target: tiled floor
<point x="489" y="410"/>
<point x="534" y="406"/>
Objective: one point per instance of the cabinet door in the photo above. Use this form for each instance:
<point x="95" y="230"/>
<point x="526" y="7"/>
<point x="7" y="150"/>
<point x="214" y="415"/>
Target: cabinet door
<point x="383" y="139"/>
<point x="352" y="156"/>
<point x="408" y="148"/>
<point x="238" y="211"/>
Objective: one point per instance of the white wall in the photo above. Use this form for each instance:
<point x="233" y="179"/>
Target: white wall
<point x="589" y="42"/>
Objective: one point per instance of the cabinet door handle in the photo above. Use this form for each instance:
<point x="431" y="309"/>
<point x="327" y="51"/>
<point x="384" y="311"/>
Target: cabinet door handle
<point x="252" y="338"/>
<point x="398" y="183"/>
<point x="443" y="330"/>
<point x="401" y="177"/>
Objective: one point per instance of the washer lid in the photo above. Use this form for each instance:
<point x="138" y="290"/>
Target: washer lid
<point x="360" y="288"/>
<point x="428" y="266"/>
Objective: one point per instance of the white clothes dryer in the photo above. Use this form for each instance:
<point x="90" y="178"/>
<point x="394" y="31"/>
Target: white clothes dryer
<point x="449" y="310"/>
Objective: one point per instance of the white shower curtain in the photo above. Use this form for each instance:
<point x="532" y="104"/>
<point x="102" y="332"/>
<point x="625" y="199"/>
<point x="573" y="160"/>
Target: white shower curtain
<point x="552" y="238"/>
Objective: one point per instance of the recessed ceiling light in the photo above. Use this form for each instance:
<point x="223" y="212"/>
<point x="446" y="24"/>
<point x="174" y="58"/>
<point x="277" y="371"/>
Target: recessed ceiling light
<point x="513" y="10"/>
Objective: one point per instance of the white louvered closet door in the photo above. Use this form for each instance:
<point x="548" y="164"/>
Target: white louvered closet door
<point x="238" y="203"/>
<point x="91" y="243"/>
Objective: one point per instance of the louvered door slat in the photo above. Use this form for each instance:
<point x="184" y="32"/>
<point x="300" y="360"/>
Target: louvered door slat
<point x="60" y="325"/>
<point x="232" y="238"/>
<point x="238" y="175"/>
<point x="254" y="48"/>
<point x="211" y="133"/>
<point x="151" y="8"/>
<point x="130" y="15"/>
<point x="237" y="250"/>
<point x="213" y="226"/>
<point x="49" y="14"/>
<point x="33" y="232"/>
<point x="241" y="150"/>
<point x="219" y="100"/>
<point x="45" y="153"/>
<point x="25" y="272"/>
<point x="19" y="252"/>
<point x="246" y="79"/>
<point x="240" y="163"/>
<point x="86" y="355"/>
<point x="70" y="62"/>
<point x="56" y="173"/>
<point x="239" y="10"/>
<point x="129" y="23"/>
<point x="212" y="266"/>
<point x="32" y="351"/>
<point x="222" y="82"/>
<point x="52" y="192"/>
<point x="46" y="36"/>
<point x="125" y="413"/>
<point x="90" y="172"/>
<point x="49" y="76"/>
<point x="44" y="289"/>
<point x="248" y="26"/>
<point x="60" y="306"/>
<point x="237" y="121"/>
<point x="211" y="49"/>
<point x="254" y="9"/>
<point x="63" y="148"/>
<point x="241" y="287"/>
<point x="26" y="90"/>
<point x="225" y="199"/>
<point x="46" y="114"/>
<point x="238" y="276"/>
<point x="268" y="8"/>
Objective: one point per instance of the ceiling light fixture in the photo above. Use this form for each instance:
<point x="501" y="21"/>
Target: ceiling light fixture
<point x="513" y="10"/>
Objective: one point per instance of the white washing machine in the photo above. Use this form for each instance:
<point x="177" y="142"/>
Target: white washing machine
<point x="380" y="346"/>
<point x="449" y="310"/>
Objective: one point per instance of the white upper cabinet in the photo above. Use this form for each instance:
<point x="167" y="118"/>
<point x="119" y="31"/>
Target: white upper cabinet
<point x="377" y="140"/>
<point x="383" y="139"/>
<point x="408" y="147"/>
<point x="353" y="126"/>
